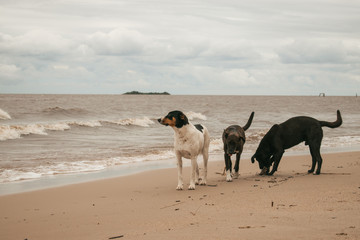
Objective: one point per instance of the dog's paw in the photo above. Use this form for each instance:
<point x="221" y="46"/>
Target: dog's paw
<point x="203" y="182"/>
<point x="191" y="187"/>
<point x="179" y="187"/>
<point x="264" y="171"/>
<point x="197" y="181"/>
<point x="236" y="175"/>
<point x="228" y="176"/>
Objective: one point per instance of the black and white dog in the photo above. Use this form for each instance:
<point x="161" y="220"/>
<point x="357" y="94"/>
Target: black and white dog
<point x="234" y="139"/>
<point x="190" y="141"/>
<point x="288" y="134"/>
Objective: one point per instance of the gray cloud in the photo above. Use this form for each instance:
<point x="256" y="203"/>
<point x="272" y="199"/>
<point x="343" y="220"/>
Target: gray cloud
<point x="188" y="47"/>
<point x="319" y="51"/>
<point x="120" y="41"/>
<point x="36" y="43"/>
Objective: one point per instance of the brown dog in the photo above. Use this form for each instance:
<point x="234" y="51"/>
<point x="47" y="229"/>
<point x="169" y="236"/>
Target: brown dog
<point x="234" y="139"/>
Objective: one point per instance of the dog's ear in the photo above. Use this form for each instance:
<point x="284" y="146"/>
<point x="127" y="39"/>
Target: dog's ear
<point x="226" y="133"/>
<point x="181" y="120"/>
<point x="253" y="158"/>
<point x="184" y="118"/>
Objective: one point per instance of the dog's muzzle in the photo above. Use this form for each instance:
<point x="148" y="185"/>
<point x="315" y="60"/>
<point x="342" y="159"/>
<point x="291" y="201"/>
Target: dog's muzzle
<point x="160" y="120"/>
<point x="232" y="152"/>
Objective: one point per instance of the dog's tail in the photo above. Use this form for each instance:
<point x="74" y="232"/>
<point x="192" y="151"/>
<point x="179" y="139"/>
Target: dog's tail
<point x="249" y="122"/>
<point x="335" y="124"/>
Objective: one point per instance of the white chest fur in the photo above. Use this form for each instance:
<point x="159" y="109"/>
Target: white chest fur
<point x="189" y="141"/>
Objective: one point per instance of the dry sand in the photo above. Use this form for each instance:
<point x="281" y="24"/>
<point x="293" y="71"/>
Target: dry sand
<point x="289" y="205"/>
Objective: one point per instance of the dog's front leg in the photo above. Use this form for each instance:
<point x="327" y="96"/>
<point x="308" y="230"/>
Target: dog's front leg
<point x="193" y="173"/>
<point x="276" y="158"/>
<point x="236" y="167"/>
<point x="204" y="178"/>
<point x="228" y="167"/>
<point x="180" y="178"/>
<point x="197" y="174"/>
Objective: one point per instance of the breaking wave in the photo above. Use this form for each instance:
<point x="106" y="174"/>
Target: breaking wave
<point x="8" y="132"/>
<point x="192" y="115"/>
<point x="11" y="175"/>
<point x="4" y="115"/>
<point x="142" y="122"/>
<point x="16" y="131"/>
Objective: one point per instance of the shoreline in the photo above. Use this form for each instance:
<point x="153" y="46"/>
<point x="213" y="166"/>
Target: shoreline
<point x="147" y="206"/>
<point x="60" y="180"/>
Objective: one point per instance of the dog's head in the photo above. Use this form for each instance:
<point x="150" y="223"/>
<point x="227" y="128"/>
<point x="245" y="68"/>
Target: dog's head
<point x="264" y="152"/>
<point x="264" y="160"/>
<point x="233" y="141"/>
<point x="174" y="119"/>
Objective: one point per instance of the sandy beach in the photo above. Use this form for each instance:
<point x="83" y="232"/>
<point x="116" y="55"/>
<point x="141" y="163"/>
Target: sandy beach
<point x="289" y="205"/>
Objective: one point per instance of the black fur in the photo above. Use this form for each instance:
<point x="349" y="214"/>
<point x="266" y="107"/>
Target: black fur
<point x="234" y="140"/>
<point x="199" y="127"/>
<point x="288" y="134"/>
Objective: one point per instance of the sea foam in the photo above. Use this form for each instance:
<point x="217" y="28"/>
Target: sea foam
<point x="142" y="122"/>
<point x="11" y="175"/>
<point x="192" y="115"/>
<point x="16" y="131"/>
<point x="4" y="115"/>
<point x="8" y="132"/>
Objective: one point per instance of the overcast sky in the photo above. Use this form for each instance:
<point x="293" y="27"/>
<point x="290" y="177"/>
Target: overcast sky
<point x="247" y="47"/>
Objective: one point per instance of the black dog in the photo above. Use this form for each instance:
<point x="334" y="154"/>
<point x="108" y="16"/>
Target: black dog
<point x="234" y="138"/>
<point x="288" y="134"/>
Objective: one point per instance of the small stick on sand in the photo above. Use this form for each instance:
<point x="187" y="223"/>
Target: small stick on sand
<point x="120" y="236"/>
<point x="172" y="205"/>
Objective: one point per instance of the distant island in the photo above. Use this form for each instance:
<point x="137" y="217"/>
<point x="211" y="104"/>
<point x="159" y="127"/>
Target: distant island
<point x="146" y="93"/>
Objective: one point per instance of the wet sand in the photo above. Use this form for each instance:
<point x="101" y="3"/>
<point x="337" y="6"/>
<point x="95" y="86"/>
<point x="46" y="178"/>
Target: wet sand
<point x="289" y="205"/>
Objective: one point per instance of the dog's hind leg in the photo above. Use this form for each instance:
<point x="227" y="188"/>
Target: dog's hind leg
<point x="316" y="157"/>
<point x="318" y="170"/>
<point x="276" y="158"/>
<point x="236" y="167"/>
<point x="180" y="178"/>
<point x="311" y="170"/>
<point x="205" y="153"/>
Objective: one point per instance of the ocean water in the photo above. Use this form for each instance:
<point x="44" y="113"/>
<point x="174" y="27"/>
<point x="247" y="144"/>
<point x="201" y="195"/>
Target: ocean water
<point x="61" y="135"/>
